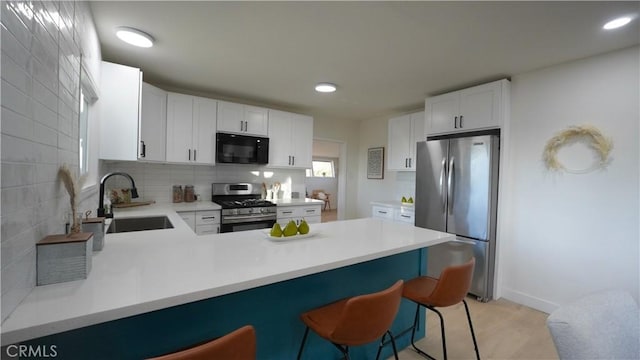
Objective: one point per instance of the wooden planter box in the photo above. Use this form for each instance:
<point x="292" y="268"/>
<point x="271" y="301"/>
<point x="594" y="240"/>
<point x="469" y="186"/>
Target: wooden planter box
<point x="62" y="258"/>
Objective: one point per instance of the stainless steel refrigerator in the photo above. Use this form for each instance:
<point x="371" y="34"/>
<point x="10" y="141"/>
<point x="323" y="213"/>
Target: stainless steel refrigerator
<point x="457" y="192"/>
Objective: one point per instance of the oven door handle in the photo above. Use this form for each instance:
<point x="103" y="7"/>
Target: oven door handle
<point x="237" y="219"/>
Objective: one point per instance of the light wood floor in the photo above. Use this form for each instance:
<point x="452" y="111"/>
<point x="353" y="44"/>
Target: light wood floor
<point x="504" y="330"/>
<point x="329" y="215"/>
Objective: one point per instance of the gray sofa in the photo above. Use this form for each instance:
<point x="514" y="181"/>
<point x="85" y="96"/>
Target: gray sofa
<point x="603" y="325"/>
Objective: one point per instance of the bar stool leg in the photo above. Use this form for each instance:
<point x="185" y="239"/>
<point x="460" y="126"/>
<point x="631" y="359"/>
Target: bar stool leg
<point x="393" y="344"/>
<point x="304" y="339"/>
<point x="473" y="335"/>
<point x="444" y="341"/>
<point x="413" y="334"/>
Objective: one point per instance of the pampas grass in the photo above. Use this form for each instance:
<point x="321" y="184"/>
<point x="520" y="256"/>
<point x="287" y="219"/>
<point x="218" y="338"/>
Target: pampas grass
<point x="73" y="188"/>
<point x="597" y="141"/>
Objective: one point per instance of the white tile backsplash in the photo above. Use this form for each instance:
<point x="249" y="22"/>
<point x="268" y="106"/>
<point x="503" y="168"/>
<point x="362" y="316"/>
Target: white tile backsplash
<point x="155" y="181"/>
<point x="40" y="72"/>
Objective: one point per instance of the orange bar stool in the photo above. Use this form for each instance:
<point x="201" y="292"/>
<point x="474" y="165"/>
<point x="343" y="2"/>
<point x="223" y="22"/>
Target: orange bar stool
<point x="450" y="289"/>
<point x="356" y="321"/>
<point x="237" y="345"/>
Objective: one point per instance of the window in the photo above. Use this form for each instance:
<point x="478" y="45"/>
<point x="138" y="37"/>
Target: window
<point x="87" y="130"/>
<point x="321" y="168"/>
<point x="83" y="140"/>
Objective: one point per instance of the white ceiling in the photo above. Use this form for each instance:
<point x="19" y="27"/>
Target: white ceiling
<point x="385" y="57"/>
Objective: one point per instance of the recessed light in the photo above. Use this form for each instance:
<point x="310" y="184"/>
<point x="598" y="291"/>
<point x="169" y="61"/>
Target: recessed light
<point x="616" y="23"/>
<point x="134" y="37"/>
<point x="325" y="87"/>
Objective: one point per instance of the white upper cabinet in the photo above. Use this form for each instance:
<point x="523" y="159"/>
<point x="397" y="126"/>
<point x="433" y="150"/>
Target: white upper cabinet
<point x="476" y="108"/>
<point x="153" y="124"/>
<point x="290" y="140"/>
<point x="404" y="132"/>
<point x="191" y="124"/>
<point x="119" y="111"/>
<point x="242" y="119"/>
<point x="204" y="130"/>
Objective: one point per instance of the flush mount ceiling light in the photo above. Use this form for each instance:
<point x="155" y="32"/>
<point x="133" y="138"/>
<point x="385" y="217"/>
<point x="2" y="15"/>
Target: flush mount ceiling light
<point x="616" y="23"/>
<point x="325" y="87"/>
<point x="134" y="37"/>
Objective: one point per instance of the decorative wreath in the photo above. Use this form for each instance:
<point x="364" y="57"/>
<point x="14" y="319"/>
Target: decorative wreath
<point x="597" y="141"/>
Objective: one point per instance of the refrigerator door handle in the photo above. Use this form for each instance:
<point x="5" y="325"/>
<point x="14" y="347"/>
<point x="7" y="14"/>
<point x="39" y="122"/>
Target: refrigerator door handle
<point x="442" y="192"/>
<point x="450" y="181"/>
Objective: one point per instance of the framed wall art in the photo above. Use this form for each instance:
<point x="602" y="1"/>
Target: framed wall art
<point x="375" y="163"/>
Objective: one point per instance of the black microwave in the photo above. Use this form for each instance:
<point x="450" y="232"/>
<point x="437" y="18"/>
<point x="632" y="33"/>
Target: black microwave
<point x="241" y="149"/>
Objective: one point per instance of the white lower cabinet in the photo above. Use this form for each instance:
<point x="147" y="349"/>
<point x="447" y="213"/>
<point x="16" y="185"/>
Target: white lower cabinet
<point x="394" y="213"/>
<point x="382" y="212"/>
<point x="404" y="215"/>
<point x="202" y="222"/>
<point x="189" y="217"/>
<point x="310" y="213"/>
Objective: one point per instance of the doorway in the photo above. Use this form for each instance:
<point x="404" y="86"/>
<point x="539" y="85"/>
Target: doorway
<point x="326" y="180"/>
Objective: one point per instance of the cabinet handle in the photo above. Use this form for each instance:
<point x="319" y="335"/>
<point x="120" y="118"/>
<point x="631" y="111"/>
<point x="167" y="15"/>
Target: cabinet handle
<point x="455" y="122"/>
<point x="410" y="163"/>
<point x="246" y="126"/>
<point x="241" y="126"/>
<point x="189" y="154"/>
<point x="405" y="162"/>
<point x="194" y="154"/>
<point x="461" y="117"/>
<point x="143" y="149"/>
<point x="381" y="212"/>
<point x="289" y="159"/>
<point x="293" y="160"/>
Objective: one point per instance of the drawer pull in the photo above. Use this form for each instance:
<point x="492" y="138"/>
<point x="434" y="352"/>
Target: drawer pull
<point x="310" y="211"/>
<point x="405" y="216"/>
<point x="381" y="212"/>
<point x="287" y="212"/>
<point x="208" y="217"/>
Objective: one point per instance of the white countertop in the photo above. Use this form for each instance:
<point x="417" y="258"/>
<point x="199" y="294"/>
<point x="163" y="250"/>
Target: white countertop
<point x="189" y="206"/>
<point x="143" y="271"/>
<point x="297" y="202"/>
<point x="394" y="204"/>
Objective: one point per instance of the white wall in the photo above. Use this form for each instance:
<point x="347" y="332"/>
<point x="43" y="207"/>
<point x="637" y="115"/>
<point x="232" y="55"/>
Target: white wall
<point x="40" y="102"/>
<point x="347" y="132"/>
<point x="394" y="185"/>
<point x="571" y="234"/>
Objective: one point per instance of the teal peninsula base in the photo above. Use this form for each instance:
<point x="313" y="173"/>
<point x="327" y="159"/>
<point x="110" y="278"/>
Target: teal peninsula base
<point x="272" y="309"/>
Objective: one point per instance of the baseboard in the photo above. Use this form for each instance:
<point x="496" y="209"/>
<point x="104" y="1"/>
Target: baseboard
<point x="528" y="300"/>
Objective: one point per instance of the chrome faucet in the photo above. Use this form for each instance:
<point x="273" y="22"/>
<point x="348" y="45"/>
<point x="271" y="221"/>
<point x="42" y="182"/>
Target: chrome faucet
<point x="134" y="192"/>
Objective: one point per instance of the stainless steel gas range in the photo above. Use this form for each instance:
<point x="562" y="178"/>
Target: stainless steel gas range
<point x="242" y="207"/>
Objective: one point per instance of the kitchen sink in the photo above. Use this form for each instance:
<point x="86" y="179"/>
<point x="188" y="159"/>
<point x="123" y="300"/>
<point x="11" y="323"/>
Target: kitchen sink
<point x="139" y="224"/>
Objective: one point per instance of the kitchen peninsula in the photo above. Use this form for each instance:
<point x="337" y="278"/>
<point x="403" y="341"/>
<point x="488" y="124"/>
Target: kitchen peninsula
<point x="152" y="292"/>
